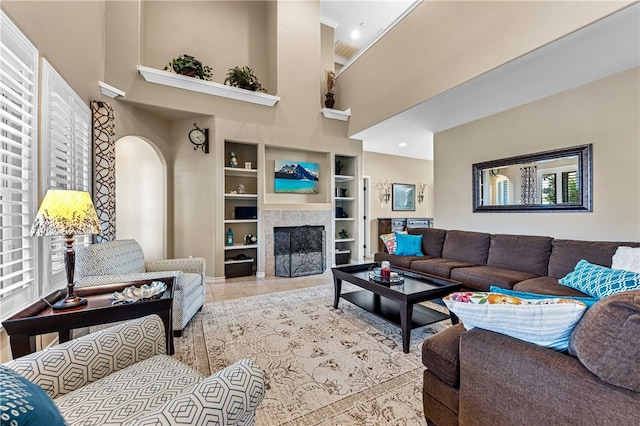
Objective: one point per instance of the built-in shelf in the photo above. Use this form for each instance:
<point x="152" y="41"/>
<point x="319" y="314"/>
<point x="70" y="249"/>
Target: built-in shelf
<point x="339" y="251"/>
<point x="344" y="218"/>
<point x="166" y="78"/>
<point x="237" y="171"/>
<point x="345" y="198"/>
<point x="241" y="221"/>
<point x="344" y="240"/>
<point x="241" y="247"/>
<point x="343" y="178"/>
<point x="241" y="196"/>
<point x="229" y="262"/>
<point x="336" y="114"/>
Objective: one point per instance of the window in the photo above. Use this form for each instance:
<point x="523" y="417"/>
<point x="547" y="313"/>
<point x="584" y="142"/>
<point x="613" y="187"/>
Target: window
<point x="548" y="192"/>
<point x="502" y="196"/>
<point x="18" y="163"/>
<point x="66" y="158"/>
<point x="570" y="187"/>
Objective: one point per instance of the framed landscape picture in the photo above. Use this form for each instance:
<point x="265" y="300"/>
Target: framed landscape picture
<point x="403" y="197"/>
<point x="298" y="177"/>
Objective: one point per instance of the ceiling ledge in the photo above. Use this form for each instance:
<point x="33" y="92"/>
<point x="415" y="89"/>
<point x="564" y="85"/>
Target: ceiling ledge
<point x="166" y="78"/>
<point x="336" y="114"/>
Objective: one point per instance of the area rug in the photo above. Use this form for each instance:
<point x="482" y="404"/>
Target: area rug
<point x="324" y="366"/>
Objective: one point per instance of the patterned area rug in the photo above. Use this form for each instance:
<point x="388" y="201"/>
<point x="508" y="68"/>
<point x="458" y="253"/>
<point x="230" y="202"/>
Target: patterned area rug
<point x="324" y="366"/>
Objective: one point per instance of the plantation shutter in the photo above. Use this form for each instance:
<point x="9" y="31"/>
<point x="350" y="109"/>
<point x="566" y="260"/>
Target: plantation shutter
<point x="18" y="168"/>
<point x="67" y="156"/>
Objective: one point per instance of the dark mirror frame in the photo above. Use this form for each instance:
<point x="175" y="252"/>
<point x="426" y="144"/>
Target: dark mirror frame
<point x="584" y="153"/>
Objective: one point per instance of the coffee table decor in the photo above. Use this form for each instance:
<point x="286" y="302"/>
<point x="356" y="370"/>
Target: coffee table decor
<point x="375" y="275"/>
<point x="134" y="294"/>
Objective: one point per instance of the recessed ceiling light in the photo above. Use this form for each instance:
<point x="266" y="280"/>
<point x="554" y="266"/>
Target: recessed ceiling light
<point x="355" y="34"/>
<point x="402" y="144"/>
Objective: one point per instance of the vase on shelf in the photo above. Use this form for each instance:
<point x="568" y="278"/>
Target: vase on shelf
<point x="329" y="100"/>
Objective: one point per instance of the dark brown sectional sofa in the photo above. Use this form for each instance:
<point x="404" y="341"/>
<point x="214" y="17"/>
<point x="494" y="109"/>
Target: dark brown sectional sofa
<point x="479" y="377"/>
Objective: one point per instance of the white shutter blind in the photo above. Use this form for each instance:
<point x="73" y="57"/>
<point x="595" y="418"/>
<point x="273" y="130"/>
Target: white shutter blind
<point x="18" y="165"/>
<point x="67" y="155"/>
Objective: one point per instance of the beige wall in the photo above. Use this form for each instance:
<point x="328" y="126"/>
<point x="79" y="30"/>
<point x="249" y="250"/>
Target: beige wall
<point x="605" y="113"/>
<point x="442" y="44"/>
<point x="399" y="170"/>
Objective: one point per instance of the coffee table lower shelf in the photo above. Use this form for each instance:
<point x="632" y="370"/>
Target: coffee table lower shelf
<point x="390" y="310"/>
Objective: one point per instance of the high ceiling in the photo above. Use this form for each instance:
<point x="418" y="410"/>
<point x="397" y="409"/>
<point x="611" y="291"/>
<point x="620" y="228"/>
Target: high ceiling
<point x="604" y="48"/>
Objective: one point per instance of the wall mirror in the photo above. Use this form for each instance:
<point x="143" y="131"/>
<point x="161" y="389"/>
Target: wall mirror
<point x="557" y="180"/>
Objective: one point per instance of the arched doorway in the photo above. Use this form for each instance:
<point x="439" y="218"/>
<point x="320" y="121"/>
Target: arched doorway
<point x="141" y="195"/>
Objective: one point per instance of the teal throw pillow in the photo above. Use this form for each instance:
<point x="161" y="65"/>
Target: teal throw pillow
<point x="589" y="301"/>
<point x="408" y="245"/>
<point x="599" y="281"/>
<point x="25" y="403"/>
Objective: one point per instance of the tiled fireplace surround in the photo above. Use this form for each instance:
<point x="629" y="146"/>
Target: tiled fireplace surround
<point x="276" y="218"/>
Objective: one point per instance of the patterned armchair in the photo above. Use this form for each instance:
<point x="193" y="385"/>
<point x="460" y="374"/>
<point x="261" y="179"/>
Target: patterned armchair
<point x="123" y="261"/>
<point x="121" y="375"/>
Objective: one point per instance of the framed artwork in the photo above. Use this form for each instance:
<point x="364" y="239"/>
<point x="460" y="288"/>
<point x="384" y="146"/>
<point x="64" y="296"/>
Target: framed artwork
<point x="403" y="197"/>
<point x="298" y="177"/>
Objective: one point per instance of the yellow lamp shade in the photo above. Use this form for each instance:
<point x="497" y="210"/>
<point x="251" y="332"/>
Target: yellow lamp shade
<point x="65" y="212"/>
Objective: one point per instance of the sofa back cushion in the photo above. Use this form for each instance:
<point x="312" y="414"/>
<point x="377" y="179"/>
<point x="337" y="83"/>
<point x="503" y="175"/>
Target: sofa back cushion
<point x="565" y="254"/>
<point x="467" y="246"/>
<point x="110" y="258"/>
<point x="606" y="340"/>
<point x="432" y="240"/>
<point x="522" y="253"/>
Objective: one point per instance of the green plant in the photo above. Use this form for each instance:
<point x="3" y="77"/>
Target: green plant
<point x="243" y="78"/>
<point x="343" y="234"/>
<point x="189" y="65"/>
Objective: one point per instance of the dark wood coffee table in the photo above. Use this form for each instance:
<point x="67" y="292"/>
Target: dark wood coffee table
<point x="40" y="318"/>
<point x="394" y="303"/>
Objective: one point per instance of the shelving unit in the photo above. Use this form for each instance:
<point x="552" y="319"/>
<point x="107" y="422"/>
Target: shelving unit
<point x="241" y="209"/>
<point x="345" y="205"/>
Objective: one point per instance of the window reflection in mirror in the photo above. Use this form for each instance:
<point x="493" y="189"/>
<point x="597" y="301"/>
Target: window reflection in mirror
<point x="551" y="180"/>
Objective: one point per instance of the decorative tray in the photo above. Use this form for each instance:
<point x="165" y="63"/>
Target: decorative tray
<point x="134" y="294"/>
<point x="375" y="275"/>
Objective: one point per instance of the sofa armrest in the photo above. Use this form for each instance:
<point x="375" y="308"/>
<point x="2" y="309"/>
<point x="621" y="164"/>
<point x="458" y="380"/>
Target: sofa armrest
<point x="68" y="366"/>
<point x="195" y="265"/>
<point x="507" y="381"/>
<point x="97" y="280"/>
<point x="229" y="397"/>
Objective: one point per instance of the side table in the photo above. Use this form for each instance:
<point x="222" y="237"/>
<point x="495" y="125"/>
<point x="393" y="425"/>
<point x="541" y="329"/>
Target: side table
<point x="40" y="318"/>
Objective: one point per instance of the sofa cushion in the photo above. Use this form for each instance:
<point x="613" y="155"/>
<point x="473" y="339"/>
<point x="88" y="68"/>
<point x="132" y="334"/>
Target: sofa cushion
<point x="545" y="322"/>
<point x="110" y="258"/>
<point x="599" y="281"/>
<point x="440" y="354"/>
<point x="627" y="259"/>
<point x="606" y="340"/>
<point x="25" y="403"/>
<point x="438" y="266"/>
<point x="466" y="246"/>
<point x="565" y="254"/>
<point x="123" y="395"/>
<point x="409" y="245"/>
<point x="483" y="277"/>
<point x="390" y="241"/>
<point x="547" y="285"/>
<point x="399" y="261"/>
<point x="432" y="240"/>
<point x="523" y="253"/>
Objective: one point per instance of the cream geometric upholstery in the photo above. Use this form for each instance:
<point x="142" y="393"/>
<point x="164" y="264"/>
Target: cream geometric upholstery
<point x="121" y="376"/>
<point x="123" y="260"/>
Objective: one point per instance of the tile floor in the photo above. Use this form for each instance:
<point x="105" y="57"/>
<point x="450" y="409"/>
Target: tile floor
<point x="234" y="288"/>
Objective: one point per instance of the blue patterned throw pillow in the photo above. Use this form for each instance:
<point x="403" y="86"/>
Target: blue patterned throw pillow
<point x="25" y="403"/>
<point x="408" y="245"/>
<point x="599" y="281"/>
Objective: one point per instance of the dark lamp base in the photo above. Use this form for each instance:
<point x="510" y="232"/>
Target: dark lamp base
<point x="69" y="302"/>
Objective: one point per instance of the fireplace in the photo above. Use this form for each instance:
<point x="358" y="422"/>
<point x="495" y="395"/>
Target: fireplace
<point x="299" y="250"/>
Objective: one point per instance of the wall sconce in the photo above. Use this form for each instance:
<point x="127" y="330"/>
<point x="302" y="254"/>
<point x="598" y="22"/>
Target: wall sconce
<point x="422" y="187"/>
<point x="384" y="191"/>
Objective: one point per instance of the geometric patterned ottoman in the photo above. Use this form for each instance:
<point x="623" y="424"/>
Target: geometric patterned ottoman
<point x="121" y="375"/>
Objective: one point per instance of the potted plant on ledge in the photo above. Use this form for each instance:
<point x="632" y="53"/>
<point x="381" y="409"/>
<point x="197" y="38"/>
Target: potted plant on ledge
<point x="243" y="78"/>
<point x="190" y="66"/>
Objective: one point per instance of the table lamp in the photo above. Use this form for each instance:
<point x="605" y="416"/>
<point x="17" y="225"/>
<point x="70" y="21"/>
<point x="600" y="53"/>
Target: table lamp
<point x="67" y="213"/>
